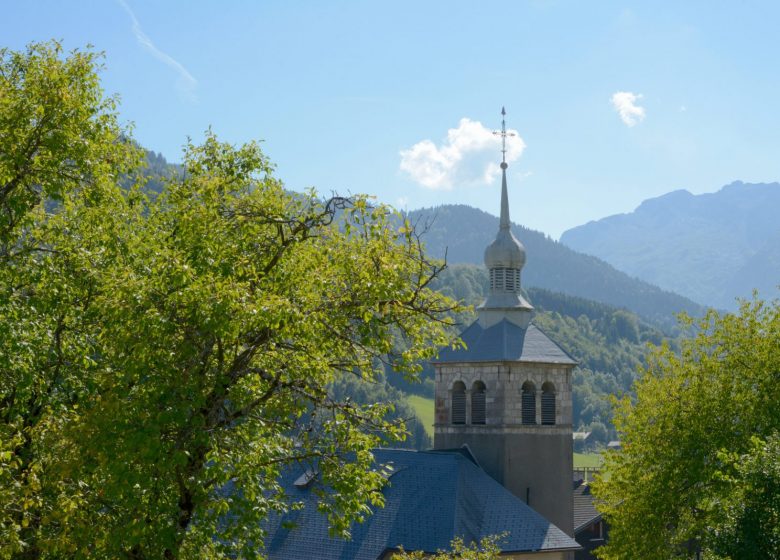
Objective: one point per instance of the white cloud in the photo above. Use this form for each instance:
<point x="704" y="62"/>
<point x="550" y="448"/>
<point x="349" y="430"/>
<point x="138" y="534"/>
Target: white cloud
<point x="625" y="104"/>
<point x="186" y="82"/>
<point x="468" y="157"/>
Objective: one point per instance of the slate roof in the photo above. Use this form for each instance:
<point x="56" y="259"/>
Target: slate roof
<point x="506" y="341"/>
<point x="431" y="498"/>
<point x="585" y="512"/>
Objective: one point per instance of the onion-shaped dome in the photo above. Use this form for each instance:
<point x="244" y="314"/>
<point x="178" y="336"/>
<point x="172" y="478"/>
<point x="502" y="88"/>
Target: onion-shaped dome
<point x="505" y="251"/>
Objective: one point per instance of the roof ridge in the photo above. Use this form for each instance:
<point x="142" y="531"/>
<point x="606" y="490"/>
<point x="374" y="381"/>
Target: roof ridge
<point x="541" y="330"/>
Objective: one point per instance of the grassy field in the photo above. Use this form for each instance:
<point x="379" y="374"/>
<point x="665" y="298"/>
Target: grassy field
<point x="424" y="409"/>
<point x="587" y="460"/>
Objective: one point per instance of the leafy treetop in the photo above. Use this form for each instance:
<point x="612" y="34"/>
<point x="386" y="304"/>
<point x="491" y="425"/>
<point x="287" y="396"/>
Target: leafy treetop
<point x="697" y="470"/>
<point x="164" y="359"/>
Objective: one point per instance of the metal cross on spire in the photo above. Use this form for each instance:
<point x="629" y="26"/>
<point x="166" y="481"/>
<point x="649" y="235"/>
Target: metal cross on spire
<point x="503" y="133"/>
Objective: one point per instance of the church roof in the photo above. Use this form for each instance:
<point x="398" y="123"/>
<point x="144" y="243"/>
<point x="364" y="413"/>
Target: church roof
<point x="431" y="498"/>
<point x="506" y="342"/>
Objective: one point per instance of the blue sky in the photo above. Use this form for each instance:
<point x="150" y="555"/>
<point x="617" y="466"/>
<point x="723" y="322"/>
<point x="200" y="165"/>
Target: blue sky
<point x="613" y="102"/>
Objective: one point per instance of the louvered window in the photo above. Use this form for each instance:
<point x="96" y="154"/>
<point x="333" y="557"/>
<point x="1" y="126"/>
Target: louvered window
<point x="497" y="278"/>
<point x="505" y="279"/>
<point x="478" y="403"/>
<point x="459" y="403"/>
<point x="529" y="403"/>
<point x="509" y="279"/>
<point x="548" y="404"/>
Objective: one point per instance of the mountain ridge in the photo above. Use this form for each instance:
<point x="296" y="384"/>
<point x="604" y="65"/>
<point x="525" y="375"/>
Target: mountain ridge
<point x="710" y="247"/>
<point x="460" y="233"/>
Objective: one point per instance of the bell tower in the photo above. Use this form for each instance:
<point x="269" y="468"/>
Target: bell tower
<point x="507" y="394"/>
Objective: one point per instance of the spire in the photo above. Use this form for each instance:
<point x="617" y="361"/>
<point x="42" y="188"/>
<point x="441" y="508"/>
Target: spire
<point x="504" y="259"/>
<point x="504" y="221"/>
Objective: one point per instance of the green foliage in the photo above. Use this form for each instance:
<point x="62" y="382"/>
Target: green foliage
<point x="486" y="549"/>
<point x="751" y="520"/>
<point x="698" y="465"/>
<point x="57" y="130"/>
<point x="363" y="391"/>
<point x="59" y="139"/>
<point x="164" y="357"/>
<point x="156" y="172"/>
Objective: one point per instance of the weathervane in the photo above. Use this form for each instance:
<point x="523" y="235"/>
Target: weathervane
<point x="503" y="133"/>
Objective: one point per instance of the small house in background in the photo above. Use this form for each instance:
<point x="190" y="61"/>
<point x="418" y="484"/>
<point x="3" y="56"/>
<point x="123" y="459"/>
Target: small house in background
<point x="590" y="531"/>
<point x="580" y="440"/>
<point x="614" y="445"/>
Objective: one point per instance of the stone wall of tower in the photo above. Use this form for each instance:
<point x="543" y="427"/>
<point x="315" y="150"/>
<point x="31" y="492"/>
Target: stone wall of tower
<point x="533" y="461"/>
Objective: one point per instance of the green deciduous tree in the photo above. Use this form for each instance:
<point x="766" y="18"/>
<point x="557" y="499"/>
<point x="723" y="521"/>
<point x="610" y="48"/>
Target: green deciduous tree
<point x="162" y="359"/>
<point x="698" y="466"/>
<point x="58" y="136"/>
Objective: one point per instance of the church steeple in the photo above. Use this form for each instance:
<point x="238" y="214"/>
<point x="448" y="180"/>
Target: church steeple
<point x="504" y="259"/>
<point x="507" y="393"/>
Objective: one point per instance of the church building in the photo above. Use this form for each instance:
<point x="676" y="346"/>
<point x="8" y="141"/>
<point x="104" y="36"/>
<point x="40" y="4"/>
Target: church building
<point x="502" y="456"/>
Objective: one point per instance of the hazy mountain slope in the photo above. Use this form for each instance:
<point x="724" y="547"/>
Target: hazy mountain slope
<point x="761" y="271"/>
<point x="463" y="233"/>
<point x="711" y="247"/>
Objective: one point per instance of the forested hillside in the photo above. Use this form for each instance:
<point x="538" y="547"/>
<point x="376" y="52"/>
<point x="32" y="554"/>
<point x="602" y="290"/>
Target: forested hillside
<point x="462" y="233"/>
<point x="157" y="169"/>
